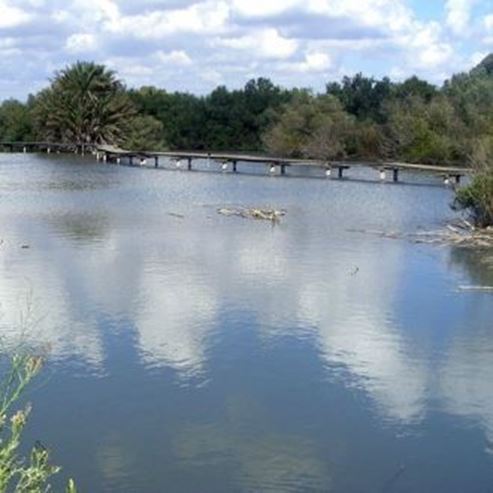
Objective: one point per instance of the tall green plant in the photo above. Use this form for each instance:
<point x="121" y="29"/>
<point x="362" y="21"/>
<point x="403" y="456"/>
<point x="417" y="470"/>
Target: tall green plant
<point x="85" y="104"/>
<point x="18" y="474"/>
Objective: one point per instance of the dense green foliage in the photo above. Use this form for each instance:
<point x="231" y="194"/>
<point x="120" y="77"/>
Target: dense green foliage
<point x="477" y="197"/>
<point x="222" y="120"/>
<point x="359" y="117"/>
<point x="84" y="104"/>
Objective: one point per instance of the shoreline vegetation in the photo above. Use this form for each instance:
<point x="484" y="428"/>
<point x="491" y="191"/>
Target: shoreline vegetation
<point x="19" y="474"/>
<point x="357" y="118"/>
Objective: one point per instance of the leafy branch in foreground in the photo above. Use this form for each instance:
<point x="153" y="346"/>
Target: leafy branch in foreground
<point x="19" y="474"/>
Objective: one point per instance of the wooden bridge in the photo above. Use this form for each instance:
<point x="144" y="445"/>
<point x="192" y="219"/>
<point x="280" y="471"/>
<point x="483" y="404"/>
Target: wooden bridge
<point x="276" y="165"/>
<point x="231" y="161"/>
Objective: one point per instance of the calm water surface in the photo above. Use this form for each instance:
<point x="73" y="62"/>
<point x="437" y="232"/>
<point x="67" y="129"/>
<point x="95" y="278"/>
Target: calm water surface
<point x="193" y="352"/>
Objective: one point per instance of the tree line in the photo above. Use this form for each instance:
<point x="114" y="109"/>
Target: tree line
<point x="358" y="117"/>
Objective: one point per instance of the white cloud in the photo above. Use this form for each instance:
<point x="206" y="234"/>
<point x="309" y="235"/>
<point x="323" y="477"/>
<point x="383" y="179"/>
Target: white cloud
<point x="488" y="22"/>
<point x="231" y="41"/>
<point x="203" y="17"/>
<point x="263" y="8"/>
<point x="313" y="62"/>
<point x="176" y="57"/>
<point x="266" y="43"/>
<point x="81" y="43"/>
<point x="12" y="16"/>
<point x="459" y="15"/>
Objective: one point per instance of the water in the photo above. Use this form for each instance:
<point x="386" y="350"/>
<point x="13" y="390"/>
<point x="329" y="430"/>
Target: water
<point x="193" y="352"/>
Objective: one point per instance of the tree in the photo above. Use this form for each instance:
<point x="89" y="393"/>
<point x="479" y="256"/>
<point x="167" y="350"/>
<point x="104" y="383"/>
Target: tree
<point x="181" y="115"/>
<point x="15" y="121"/>
<point x="146" y="133"/>
<point x="85" y="104"/>
<point x="362" y="96"/>
<point x="413" y="86"/>
<point x="430" y="132"/>
<point x="310" y="126"/>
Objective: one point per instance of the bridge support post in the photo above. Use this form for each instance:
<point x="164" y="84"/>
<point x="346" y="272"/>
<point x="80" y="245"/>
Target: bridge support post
<point x="457" y="179"/>
<point x="189" y="164"/>
<point x="156" y="161"/>
<point x="131" y="160"/>
<point x="234" y="167"/>
<point x="395" y="175"/>
<point x="340" y="172"/>
<point x="283" y="169"/>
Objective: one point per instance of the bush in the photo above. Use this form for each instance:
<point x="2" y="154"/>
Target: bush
<point x="478" y="199"/>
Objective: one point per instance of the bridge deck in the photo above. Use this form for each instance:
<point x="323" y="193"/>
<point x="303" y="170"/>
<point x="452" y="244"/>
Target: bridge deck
<point x="111" y="152"/>
<point x="249" y="158"/>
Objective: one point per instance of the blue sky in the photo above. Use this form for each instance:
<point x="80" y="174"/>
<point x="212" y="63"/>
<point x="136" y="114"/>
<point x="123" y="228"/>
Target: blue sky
<point x="194" y="45"/>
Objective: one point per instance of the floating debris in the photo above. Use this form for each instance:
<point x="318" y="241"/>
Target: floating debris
<point x="25" y="247"/>
<point x="462" y="234"/>
<point x="476" y="288"/>
<point x="273" y="215"/>
<point x="175" y="214"/>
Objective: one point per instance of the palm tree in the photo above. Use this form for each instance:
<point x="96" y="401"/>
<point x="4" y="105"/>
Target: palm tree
<point x="85" y="104"/>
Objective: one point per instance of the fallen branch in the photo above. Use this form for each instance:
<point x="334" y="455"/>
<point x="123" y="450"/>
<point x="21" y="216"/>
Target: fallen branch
<point x="273" y="215"/>
<point x="476" y="288"/>
<point x="463" y="235"/>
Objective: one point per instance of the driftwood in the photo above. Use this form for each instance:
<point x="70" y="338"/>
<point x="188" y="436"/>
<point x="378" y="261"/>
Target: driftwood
<point x="476" y="288"/>
<point x="273" y="215"/>
<point x="462" y="234"/>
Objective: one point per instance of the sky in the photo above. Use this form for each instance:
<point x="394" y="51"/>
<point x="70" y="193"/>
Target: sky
<point x="196" y="45"/>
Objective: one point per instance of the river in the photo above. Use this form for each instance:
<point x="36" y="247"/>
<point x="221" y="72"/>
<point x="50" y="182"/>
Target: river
<point x="193" y="352"/>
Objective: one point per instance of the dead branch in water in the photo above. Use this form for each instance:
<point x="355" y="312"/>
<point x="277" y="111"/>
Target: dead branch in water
<point x="461" y="234"/>
<point x="273" y="215"/>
